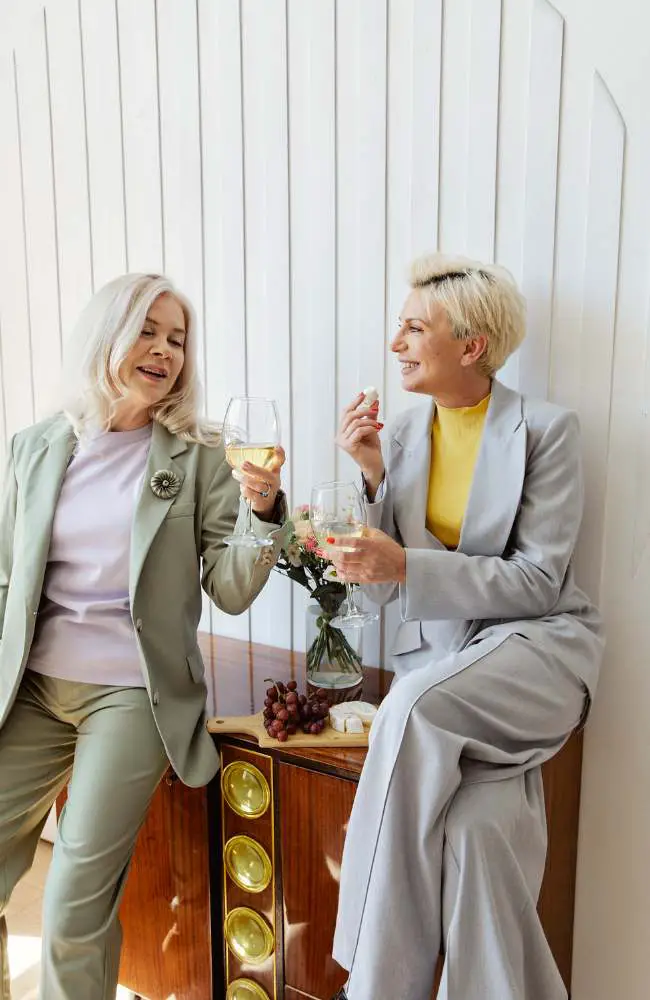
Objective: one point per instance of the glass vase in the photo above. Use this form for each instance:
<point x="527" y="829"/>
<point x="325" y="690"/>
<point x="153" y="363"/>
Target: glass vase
<point x="333" y="656"/>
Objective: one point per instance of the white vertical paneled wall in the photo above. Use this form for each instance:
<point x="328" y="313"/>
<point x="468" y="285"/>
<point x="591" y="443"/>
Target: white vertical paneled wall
<point x="599" y="296"/>
<point x="312" y="206"/>
<point x="265" y="116"/>
<point x="38" y="202"/>
<point x="138" y="65"/>
<point x="361" y="153"/>
<point x="540" y="189"/>
<point x="15" y="315"/>
<point x="283" y="160"/>
<point x="181" y="164"/>
<point x="70" y="158"/>
<point x="224" y="288"/>
<point x="414" y="60"/>
<point x="104" y="143"/>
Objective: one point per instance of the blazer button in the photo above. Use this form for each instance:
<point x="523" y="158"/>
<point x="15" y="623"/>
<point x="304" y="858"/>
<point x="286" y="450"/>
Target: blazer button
<point x="138" y="625"/>
<point x="155" y="698"/>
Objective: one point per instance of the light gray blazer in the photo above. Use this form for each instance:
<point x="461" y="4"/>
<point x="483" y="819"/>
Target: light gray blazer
<point x="512" y="571"/>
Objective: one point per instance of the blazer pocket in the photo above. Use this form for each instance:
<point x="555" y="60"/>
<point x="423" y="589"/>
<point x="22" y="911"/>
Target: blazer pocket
<point x="181" y="510"/>
<point x="196" y="667"/>
<point x="408" y="638"/>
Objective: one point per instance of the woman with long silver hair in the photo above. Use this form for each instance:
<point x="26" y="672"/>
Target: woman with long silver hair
<point x="114" y="512"/>
<point x="474" y="506"/>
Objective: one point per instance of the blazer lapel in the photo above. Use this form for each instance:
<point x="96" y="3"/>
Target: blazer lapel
<point x="498" y="477"/>
<point x="410" y="480"/>
<point x="151" y="509"/>
<point x="42" y="484"/>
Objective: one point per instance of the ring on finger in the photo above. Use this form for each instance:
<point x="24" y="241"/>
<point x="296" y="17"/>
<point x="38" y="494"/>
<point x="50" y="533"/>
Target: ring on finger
<point x="265" y="493"/>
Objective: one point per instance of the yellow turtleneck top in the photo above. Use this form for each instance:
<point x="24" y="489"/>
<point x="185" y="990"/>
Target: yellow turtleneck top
<point x="455" y="441"/>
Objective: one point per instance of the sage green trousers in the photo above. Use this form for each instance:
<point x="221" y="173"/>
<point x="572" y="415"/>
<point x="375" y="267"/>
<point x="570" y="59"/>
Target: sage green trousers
<point x="103" y="743"/>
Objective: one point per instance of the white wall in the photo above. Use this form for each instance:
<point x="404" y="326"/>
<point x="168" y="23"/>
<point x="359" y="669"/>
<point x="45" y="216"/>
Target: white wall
<point x="283" y="160"/>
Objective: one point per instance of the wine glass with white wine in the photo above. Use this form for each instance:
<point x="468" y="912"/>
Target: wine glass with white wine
<point x="337" y="512"/>
<point x="251" y="433"/>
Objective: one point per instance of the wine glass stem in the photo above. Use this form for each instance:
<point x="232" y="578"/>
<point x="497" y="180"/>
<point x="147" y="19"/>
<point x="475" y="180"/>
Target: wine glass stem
<point x="249" y="522"/>
<point x="352" y="607"/>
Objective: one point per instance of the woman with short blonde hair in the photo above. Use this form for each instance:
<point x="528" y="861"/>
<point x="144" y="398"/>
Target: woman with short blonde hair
<point x="476" y="298"/>
<point x="474" y="505"/>
<point x="113" y="515"/>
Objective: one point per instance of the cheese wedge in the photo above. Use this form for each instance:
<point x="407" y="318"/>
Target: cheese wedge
<point x="354" y="713"/>
<point x="337" y="719"/>
<point x="363" y="709"/>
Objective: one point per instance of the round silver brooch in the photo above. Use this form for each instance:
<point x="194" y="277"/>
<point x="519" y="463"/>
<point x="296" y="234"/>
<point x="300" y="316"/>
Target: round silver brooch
<point x="165" y="484"/>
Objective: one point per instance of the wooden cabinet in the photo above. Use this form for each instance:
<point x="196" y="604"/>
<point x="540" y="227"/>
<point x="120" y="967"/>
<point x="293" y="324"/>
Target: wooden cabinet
<point x="311" y="803"/>
<point x="229" y="826"/>
<point x="313" y="792"/>
<point x="314" y="811"/>
<point x="165" y="914"/>
<point x="165" y="910"/>
<point x="178" y="892"/>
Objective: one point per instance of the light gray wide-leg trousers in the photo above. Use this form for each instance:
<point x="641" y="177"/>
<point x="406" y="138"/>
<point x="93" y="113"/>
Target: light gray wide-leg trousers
<point x="104" y="741"/>
<point x="447" y="838"/>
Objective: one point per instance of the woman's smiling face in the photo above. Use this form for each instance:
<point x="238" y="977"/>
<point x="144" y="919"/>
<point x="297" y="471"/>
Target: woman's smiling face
<point x="152" y="366"/>
<point x="429" y="354"/>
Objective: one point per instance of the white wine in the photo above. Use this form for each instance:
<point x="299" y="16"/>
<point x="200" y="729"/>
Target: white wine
<point x="338" y="530"/>
<point x="257" y="454"/>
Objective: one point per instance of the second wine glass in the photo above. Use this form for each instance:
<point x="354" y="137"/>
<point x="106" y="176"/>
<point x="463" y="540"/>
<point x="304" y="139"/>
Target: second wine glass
<point x="251" y="433"/>
<point x="337" y="512"/>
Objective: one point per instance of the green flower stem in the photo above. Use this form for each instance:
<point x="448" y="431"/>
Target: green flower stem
<point x="331" y="642"/>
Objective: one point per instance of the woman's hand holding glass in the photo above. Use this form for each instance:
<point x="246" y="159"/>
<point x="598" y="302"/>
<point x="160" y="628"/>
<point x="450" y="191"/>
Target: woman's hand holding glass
<point x="261" y="484"/>
<point x="373" y="558"/>
<point x="251" y="435"/>
<point x="338" y="518"/>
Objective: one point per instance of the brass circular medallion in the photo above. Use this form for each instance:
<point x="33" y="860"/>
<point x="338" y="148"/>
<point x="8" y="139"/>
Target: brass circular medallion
<point x="248" y="935"/>
<point x="245" y="789"/>
<point x="247" y="863"/>
<point x="246" y="989"/>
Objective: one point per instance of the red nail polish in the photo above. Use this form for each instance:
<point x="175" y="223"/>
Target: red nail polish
<point x="379" y="426"/>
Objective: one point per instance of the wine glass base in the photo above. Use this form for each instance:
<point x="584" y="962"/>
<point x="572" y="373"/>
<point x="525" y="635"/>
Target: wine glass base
<point x="358" y="619"/>
<point x="332" y="681"/>
<point x="248" y="541"/>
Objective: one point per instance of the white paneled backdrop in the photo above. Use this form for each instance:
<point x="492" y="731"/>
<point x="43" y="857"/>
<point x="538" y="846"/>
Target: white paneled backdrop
<point x="283" y="160"/>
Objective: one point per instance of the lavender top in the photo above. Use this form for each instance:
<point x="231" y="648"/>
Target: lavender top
<point x="84" y="628"/>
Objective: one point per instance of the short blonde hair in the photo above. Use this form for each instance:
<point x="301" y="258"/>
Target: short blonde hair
<point x="478" y="299"/>
<point x="106" y="331"/>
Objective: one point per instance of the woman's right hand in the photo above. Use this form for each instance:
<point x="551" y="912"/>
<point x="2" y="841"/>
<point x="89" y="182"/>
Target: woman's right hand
<point x="358" y="435"/>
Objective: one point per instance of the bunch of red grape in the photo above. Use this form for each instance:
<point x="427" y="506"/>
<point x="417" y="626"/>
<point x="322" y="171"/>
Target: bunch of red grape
<point x="286" y="712"/>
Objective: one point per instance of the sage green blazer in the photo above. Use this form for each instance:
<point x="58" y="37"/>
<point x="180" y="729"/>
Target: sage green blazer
<point x="176" y="545"/>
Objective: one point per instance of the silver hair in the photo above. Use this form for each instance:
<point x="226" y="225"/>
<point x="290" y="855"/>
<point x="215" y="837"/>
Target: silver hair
<point x="106" y="331"/>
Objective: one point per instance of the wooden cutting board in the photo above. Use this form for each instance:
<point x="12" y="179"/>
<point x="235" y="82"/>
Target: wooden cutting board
<point x="253" y="725"/>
